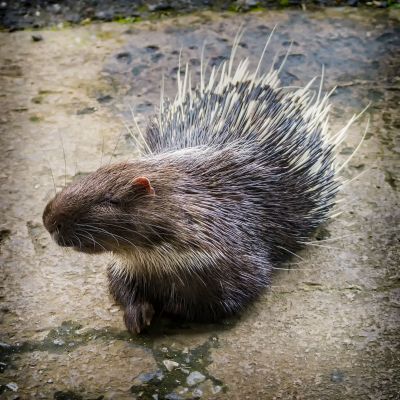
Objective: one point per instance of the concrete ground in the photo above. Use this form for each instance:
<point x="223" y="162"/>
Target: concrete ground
<point x="329" y="326"/>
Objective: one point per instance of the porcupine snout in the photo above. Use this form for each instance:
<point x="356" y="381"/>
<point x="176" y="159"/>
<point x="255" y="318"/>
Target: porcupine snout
<point x="59" y="226"/>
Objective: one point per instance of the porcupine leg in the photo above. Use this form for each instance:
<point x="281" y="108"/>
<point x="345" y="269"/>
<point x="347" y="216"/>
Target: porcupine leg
<point x="138" y="312"/>
<point x="138" y="315"/>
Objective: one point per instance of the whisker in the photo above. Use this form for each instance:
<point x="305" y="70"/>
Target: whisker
<point x="65" y="159"/>
<point x="90" y="237"/>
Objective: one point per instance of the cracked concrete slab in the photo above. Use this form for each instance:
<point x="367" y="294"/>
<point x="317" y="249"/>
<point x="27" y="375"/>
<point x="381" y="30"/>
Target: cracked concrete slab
<point x="329" y="325"/>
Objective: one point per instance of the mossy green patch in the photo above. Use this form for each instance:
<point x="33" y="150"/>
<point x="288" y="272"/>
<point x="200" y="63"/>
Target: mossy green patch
<point x="70" y="335"/>
<point x="35" y="118"/>
<point x="127" y="20"/>
<point x="164" y="383"/>
<point x="37" y="99"/>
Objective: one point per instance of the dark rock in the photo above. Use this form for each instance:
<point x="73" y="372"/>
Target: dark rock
<point x="4" y="234"/>
<point x="104" y="98"/>
<point x="160" y="6"/>
<point x="152" y="48"/>
<point x="86" y="110"/>
<point x="37" y="37"/>
<point x="68" y="395"/>
<point x="104" y="15"/>
<point x="124" y="57"/>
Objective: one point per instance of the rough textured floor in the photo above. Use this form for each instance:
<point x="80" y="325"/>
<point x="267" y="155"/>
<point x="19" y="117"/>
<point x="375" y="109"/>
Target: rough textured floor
<point x="329" y="326"/>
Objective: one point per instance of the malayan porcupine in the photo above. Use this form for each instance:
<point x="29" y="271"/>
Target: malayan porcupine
<point x="235" y="175"/>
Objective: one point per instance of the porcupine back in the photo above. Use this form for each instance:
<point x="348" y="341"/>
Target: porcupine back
<point x="285" y="136"/>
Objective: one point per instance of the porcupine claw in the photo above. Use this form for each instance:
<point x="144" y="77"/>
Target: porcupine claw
<point x="137" y="316"/>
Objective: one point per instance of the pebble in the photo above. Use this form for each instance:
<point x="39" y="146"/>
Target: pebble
<point x="216" y="389"/>
<point x="173" y="396"/>
<point x="12" y="386"/>
<point x="194" y="378"/>
<point x="104" y="99"/>
<point x="37" y="37"/>
<point x="149" y="376"/>
<point x="251" y="3"/>
<point x="197" y="393"/>
<point x="170" y="365"/>
<point x="124" y="57"/>
<point x="3" y="367"/>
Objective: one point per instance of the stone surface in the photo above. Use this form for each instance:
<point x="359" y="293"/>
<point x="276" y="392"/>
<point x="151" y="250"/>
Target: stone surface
<point x="328" y="327"/>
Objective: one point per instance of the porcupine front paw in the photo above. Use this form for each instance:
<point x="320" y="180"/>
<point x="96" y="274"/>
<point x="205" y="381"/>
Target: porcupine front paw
<point x="137" y="316"/>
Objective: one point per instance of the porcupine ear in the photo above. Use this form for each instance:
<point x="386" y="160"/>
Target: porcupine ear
<point x="144" y="183"/>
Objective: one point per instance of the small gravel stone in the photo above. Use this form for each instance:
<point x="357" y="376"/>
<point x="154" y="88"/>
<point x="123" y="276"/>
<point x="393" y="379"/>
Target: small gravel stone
<point x="170" y="365"/>
<point x="197" y="393"/>
<point x="148" y="377"/>
<point x="12" y="386"/>
<point x="3" y="367"/>
<point x="194" y="378"/>
<point x="216" y="389"/>
<point x="173" y="396"/>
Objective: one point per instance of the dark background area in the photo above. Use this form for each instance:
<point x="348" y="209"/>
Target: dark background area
<point x="16" y="15"/>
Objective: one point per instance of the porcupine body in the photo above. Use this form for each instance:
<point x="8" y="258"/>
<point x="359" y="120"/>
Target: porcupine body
<point x="234" y="176"/>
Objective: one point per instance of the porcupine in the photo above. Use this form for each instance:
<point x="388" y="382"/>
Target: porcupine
<point x="234" y="176"/>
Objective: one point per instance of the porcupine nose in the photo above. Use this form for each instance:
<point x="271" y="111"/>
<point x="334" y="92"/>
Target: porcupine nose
<point x="59" y="230"/>
<point x="61" y="233"/>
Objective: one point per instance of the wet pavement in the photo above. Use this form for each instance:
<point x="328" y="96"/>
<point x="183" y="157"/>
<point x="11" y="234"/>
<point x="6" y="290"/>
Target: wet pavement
<point x="328" y="327"/>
